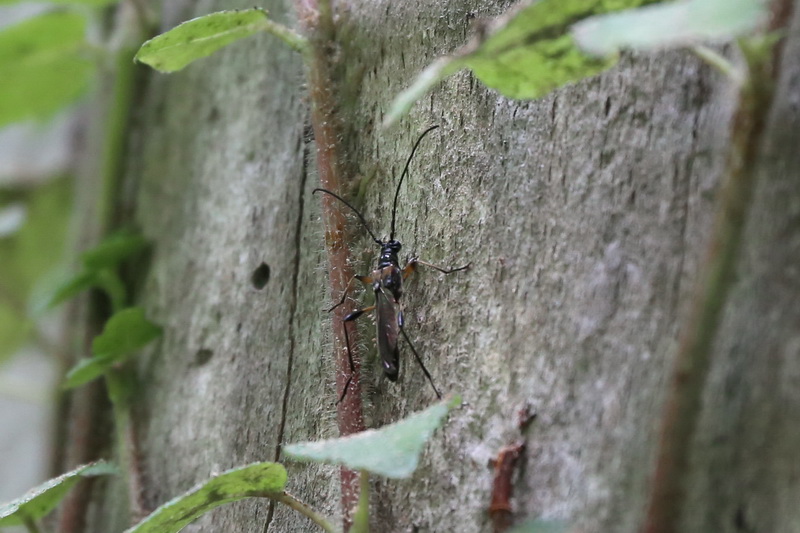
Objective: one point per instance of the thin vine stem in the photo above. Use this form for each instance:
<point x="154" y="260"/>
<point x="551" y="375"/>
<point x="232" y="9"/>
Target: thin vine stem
<point x="325" y="95"/>
<point x="717" y="277"/>
<point x="306" y="511"/>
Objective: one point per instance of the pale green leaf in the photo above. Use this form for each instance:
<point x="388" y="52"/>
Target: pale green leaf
<point x="41" y="66"/>
<point x="255" y="480"/>
<point x="524" y="53"/>
<point x="40" y="500"/>
<point x="29" y="255"/>
<point x="86" y="370"/>
<point x="113" y="250"/>
<point x="72" y="287"/>
<point x="200" y="37"/>
<point x="125" y="332"/>
<point x="671" y="24"/>
<point x="392" y="451"/>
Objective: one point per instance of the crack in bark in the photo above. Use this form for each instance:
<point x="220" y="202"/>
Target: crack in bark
<point x="298" y="235"/>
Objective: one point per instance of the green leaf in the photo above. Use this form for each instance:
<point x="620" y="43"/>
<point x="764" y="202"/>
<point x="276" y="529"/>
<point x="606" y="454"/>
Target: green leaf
<point x="392" y="451"/>
<point x="524" y="53"/>
<point x="541" y="526"/>
<point x="40" y="500"/>
<point x="85" y="371"/>
<point x="113" y="250"/>
<point x="673" y="24"/>
<point x="200" y="37"/>
<point x="99" y="263"/>
<point x="72" y="287"/>
<point x="251" y="481"/>
<point x="29" y="255"/>
<point x="125" y="332"/>
<point x="41" y="66"/>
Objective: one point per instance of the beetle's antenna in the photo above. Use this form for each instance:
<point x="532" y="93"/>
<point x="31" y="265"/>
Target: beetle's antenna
<point x="360" y="216"/>
<point x="403" y="175"/>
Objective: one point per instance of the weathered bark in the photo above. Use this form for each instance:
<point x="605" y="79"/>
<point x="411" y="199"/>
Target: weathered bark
<point x="584" y="215"/>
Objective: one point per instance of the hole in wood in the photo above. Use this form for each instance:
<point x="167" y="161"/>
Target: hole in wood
<point x="260" y="276"/>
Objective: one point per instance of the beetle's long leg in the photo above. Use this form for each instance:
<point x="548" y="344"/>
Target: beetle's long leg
<point x="366" y="280"/>
<point x="350" y="318"/>
<point x="419" y="359"/>
<point x="412" y="265"/>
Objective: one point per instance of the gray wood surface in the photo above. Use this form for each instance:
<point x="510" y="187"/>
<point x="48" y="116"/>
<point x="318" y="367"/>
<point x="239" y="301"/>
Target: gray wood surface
<point x="584" y="215"/>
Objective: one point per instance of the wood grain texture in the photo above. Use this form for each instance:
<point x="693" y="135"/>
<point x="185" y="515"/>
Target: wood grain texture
<point x="584" y="215"/>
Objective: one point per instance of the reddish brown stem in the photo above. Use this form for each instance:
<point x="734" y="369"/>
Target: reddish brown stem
<point x="502" y="487"/>
<point x="693" y="359"/>
<point x="327" y="134"/>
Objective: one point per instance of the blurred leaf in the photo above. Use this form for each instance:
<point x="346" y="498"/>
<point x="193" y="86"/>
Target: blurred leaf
<point x="113" y="250"/>
<point x="39" y="245"/>
<point x="28" y="255"/>
<point x="39" y="501"/>
<point x="36" y="39"/>
<point x="255" y="480"/>
<point x="85" y="371"/>
<point x="72" y="287"/>
<point x="392" y="451"/>
<point x="200" y="37"/>
<point x="125" y="332"/>
<point x="524" y="54"/>
<point x="41" y="66"/>
<point x="533" y="49"/>
<point x="672" y="24"/>
<point x="99" y="264"/>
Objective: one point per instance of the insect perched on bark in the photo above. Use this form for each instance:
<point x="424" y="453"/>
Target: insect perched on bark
<point x="386" y="282"/>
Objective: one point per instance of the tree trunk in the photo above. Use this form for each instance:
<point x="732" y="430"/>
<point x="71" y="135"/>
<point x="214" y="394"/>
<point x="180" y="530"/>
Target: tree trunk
<point x="584" y="216"/>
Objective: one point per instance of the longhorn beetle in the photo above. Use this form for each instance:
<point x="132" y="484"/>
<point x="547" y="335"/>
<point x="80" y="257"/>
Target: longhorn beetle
<point x="387" y="284"/>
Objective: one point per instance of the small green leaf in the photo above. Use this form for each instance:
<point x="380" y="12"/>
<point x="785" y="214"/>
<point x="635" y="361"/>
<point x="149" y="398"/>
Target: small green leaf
<point x="41" y="66"/>
<point x="72" y="287"/>
<point x="124" y="333"/>
<point x="671" y="24"/>
<point x="85" y="371"/>
<point x="251" y="481"/>
<point x="200" y="37"/>
<point x="37" y="39"/>
<point x="524" y="53"/>
<point x="40" y="500"/>
<point x="392" y="451"/>
<point x="541" y="526"/>
<point x="113" y="250"/>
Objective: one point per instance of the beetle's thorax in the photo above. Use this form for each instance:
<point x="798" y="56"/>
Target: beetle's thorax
<point x="389" y="251"/>
<point x="389" y="280"/>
